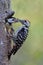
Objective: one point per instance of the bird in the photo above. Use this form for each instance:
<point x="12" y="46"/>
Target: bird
<point x="19" y="38"/>
<point x="20" y="35"/>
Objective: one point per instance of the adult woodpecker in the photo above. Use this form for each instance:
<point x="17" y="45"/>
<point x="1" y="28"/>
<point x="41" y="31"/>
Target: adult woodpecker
<point x="19" y="36"/>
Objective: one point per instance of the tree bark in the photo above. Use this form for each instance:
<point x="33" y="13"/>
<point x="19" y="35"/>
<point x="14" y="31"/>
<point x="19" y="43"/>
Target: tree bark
<point x="5" y="43"/>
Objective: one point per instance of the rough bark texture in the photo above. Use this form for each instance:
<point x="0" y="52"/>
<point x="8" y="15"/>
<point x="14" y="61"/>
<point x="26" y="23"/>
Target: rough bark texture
<point x="5" y="44"/>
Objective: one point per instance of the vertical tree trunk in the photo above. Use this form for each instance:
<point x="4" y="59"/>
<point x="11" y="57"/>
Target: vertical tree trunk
<point x="5" y="44"/>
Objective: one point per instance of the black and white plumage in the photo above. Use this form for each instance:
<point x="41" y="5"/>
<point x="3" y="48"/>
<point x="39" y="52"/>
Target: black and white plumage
<point x="19" y="38"/>
<point x="20" y="35"/>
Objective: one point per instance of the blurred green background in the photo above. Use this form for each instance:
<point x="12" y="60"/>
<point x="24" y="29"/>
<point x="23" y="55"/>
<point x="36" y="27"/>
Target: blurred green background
<point x="31" y="53"/>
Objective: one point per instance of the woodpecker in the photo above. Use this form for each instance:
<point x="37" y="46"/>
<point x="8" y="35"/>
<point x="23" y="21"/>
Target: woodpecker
<point x="19" y="36"/>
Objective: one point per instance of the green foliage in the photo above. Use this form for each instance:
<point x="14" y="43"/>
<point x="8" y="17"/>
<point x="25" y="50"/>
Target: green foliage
<point x="31" y="52"/>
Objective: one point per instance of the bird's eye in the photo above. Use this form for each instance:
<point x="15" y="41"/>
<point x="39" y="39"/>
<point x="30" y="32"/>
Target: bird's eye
<point x="25" y="20"/>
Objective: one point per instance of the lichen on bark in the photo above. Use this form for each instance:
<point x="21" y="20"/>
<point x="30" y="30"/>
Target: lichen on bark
<point x="5" y="43"/>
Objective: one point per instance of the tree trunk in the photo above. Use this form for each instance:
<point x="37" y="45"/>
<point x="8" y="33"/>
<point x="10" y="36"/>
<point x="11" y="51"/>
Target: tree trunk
<point x="5" y="43"/>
